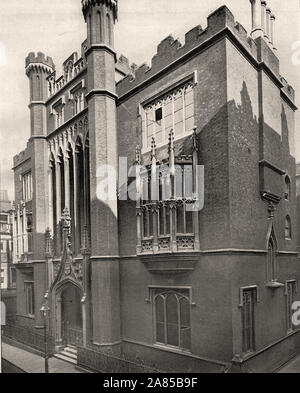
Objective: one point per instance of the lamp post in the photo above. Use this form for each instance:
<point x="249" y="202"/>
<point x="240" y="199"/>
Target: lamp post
<point x="44" y="312"/>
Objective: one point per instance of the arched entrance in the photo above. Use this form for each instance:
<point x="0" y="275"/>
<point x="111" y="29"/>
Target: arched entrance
<point x="69" y="318"/>
<point x="71" y="315"/>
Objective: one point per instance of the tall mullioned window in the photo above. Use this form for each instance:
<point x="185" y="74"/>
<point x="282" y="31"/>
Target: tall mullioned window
<point x="290" y="292"/>
<point x="288" y="228"/>
<point x="59" y="117"/>
<point x="58" y="112"/>
<point x="172" y="318"/>
<point x="27" y="186"/>
<point x="287" y="186"/>
<point x="174" y="110"/>
<point x="29" y="297"/>
<point x="272" y="258"/>
<point x="78" y="101"/>
<point x="249" y="299"/>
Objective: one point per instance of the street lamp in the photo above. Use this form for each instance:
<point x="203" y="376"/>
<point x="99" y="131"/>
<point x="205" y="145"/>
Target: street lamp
<point x="44" y="312"/>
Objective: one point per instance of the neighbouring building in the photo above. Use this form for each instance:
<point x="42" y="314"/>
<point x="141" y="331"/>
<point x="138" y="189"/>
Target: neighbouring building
<point x="156" y="282"/>
<point x="6" y="247"/>
<point x="298" y="202"/>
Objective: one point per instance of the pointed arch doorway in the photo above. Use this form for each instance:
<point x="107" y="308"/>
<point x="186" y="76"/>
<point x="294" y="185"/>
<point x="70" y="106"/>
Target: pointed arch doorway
<point x="69" y="321"/>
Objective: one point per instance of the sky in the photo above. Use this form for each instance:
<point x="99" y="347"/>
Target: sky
<point x="57" y="28"/>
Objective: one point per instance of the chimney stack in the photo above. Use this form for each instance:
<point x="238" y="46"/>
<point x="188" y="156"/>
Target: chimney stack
<point x="268" y="24"/>
<point x="263" y="17"/>
<point x="256" y="18"/>
<point x="262" y="21"/>
<point x="272" y="30"/>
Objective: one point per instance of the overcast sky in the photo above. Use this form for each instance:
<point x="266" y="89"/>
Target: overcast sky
<point x="57" y="28"/>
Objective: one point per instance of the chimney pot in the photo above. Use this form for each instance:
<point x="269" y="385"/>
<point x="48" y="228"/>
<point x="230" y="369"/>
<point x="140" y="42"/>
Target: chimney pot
<point x="263" y="16"/>
<point x="272" y="22"/>
<point x="268" y="23"/>
<point x="256" y="18"/>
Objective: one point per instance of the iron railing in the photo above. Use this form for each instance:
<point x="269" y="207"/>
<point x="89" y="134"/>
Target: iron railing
<point x="104" y="362"/>
<point x="27" y="336"/>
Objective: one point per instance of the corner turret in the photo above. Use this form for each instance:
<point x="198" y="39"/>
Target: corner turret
<point x="38" y="67"/>
<point x="100" y="16"/>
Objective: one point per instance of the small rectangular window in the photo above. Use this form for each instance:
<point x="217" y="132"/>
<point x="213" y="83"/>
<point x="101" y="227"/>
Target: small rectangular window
<point x="249" y="299"/>
<point x="158" y="114"/>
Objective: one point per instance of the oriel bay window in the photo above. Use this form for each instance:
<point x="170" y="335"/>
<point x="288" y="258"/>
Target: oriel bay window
<point x="172" y="321"/>
<point x="166" y="218"/>
<point x="172" y="111"/>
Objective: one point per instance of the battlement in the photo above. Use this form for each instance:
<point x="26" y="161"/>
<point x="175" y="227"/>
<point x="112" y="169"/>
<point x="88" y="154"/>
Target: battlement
<point x="169" y="50"/>
<point x="124" y="66"/>
<point x="39" y="58"/>
<point x="70" y="60"/>
<point x="72" y="66"/>
<point x="22" y="156"/>
<point x="109" y="3"/>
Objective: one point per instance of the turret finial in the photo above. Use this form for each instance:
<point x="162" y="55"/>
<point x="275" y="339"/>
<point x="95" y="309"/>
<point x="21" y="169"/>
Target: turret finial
<point x="153" y="148"/>
<point x="138" y="155"/>
<point x="113" y="4"/>
<point x="195" y="140"/>
<point x="171" y="140"/>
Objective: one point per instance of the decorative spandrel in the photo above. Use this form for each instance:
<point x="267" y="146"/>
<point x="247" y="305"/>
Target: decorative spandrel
<point x="67" y="266"/>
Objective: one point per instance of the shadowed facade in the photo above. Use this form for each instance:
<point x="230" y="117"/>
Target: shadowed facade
<point x="149" y="284"/>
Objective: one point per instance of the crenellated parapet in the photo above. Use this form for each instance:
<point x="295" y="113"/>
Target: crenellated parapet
<point x="24" y="155"/>
<point x="39" y="62"/>
<point x="170" y="50"/>
<point x="113" y="4"/>
<point x="72" y="66"/>
<point x="124" y="66"/>
<point x="220" y="22"/>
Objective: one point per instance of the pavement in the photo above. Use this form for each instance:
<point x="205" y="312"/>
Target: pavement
<point x="31" y="363"/>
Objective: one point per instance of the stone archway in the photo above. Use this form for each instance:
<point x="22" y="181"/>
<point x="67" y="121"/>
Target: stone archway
<point x="69" y="314"/>
<point x="69" y="295"/>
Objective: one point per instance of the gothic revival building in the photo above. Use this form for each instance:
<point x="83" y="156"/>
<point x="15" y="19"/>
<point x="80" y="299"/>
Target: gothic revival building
<point x="7" y="271"/>
<point x="151" y="281"/>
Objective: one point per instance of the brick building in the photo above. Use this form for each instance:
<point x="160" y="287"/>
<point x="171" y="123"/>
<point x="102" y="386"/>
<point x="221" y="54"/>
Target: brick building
<point x="7" y="276"/>
<point x="154" y="280"/>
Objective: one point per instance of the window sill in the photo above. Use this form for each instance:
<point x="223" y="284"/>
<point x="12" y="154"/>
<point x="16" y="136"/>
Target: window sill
<point x="274" y="285"/>
<point x="243" y="357"/>
<point x="168" y="262"/>
<point x="28" y="316"/>
<point x="146" y="150"/>
<point x="170" y="348"/>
